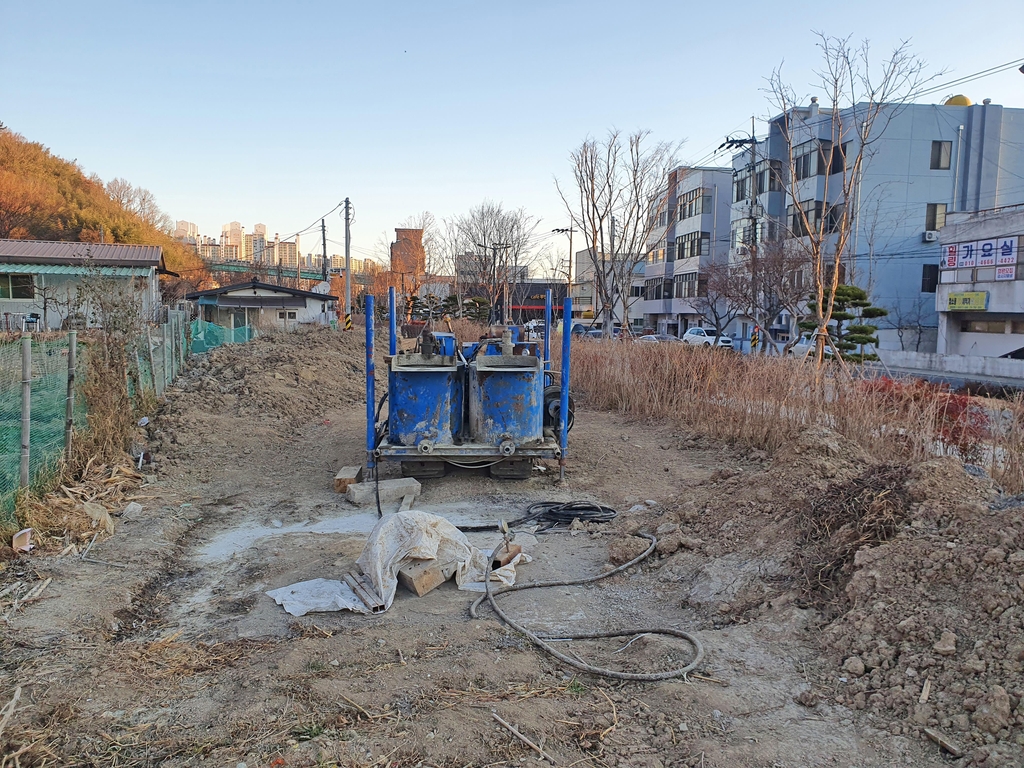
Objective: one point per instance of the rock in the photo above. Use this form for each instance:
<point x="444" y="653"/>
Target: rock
<point x="854" y="666"/>
<point x="994" y="555"/>
<point x="993" y="714"/>
<point x="687" y="542"/>
<point x="807" y="699"/>
<point x="650" y="502"/>
<point x="946" y="644"/>
<point x="666" y="528"/>
<point x="669" y="544"/>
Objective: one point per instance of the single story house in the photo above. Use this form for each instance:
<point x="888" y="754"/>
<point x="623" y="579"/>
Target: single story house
<point x="264" y="305"/>
<point x="40" y="280"/>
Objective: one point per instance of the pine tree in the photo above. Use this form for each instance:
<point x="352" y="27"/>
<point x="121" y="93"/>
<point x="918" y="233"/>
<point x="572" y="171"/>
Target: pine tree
<point x="851" y="304"/>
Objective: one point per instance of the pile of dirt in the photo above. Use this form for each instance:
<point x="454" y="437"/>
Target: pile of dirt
<point x="935" y="634"/>
<point x="288" y="375"/>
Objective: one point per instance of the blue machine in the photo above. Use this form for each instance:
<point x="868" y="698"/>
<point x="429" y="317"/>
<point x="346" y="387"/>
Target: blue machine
<point x="486" y="405"/>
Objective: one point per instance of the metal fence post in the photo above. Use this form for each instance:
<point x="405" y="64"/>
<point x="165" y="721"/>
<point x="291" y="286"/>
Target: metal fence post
<point x="167" y="359"/>
<point x="152" y="365"/>
<point x="26" y="406"/>
<point x="69" y="412"/>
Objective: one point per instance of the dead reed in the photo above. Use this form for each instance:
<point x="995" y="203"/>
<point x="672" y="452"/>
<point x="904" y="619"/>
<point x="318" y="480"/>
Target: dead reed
<point x="766" y="402"/>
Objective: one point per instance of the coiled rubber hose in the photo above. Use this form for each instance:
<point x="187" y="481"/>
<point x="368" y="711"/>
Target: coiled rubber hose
<point x="539" y="640"/>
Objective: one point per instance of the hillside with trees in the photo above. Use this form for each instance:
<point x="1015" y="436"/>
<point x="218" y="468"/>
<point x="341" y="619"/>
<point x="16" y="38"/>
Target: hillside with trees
<point x="44" y="197"/>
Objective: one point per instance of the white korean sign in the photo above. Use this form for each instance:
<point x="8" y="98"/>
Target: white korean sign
<point x="1006" y="273"/>
<point x="949" y="256"/>
<point x="966" y="255"/>
<point x="1007" y="250"/>
<point x="987" y="250"/>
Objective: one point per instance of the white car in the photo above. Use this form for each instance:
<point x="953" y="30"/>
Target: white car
<point x="698" y="337"/>
<point x="724" y="342"/>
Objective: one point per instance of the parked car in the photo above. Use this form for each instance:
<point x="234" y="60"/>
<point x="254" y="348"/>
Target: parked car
<point x="648" y="339"/>
<point x="698" y="337"/>
<point x="805" y="347"/>
<point x="724" y="342"/>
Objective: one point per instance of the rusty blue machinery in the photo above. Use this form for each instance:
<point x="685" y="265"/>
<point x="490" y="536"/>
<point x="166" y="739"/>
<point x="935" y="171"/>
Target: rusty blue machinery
<point x="495" y="403"/>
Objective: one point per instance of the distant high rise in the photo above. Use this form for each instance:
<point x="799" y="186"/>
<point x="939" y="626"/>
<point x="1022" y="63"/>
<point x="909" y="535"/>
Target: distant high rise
<point x="231" y="234"/>
<point x="186" y="230"/>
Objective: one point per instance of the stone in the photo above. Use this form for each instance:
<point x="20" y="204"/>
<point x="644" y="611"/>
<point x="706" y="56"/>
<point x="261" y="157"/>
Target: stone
<point x="690" y="543"/>
<point x="345" y="477"/>
<point x="993" y="714"/>
<point x="946" y="644"/>
<point x="994" y="555"/>
<point x="394" y="489"/>
<point x="666" y="528"/>
<point x="854" y="666"/>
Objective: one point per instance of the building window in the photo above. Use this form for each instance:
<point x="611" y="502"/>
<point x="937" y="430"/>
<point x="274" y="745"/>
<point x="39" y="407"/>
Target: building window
<point x="17" y="287"/>
<point x="837" y="163"/>
<point x="941" y="152"/>
<point x="802" y="224"/>
<point x="929" y="278"/>
<point x="834" y="217"/>
<point x="694" y="203"/>
<point x="739" y="187"/>
<point x="686" y="285"/>
<point x="983" y="326"/>
<point x="693" y="244"/>
<point x="636" y="291"/>
<point x="769" y="173"/>
<point x="935" y="217"/>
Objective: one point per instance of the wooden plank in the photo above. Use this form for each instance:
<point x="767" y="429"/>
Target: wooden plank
<point x="422" y="576"/>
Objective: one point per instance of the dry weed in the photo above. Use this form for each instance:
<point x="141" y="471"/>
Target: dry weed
<point x="170" y="658"/>
<point x="864" y="512"/>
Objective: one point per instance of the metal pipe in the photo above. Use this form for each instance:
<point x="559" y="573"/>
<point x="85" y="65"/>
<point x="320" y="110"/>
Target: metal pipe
<point x="547" y="330"/>
<point x="392" y="323"/>
<point x="563" y="409"/>
<point x="371" y="426"/>
<point x="26" y="406"/>
<point x="69" y="409"/>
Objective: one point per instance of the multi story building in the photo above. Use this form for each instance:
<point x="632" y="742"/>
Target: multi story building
<point x="407" y="254"/>
<point x="921" y="162"/>
<point x="979" y="291"/>
<point x="693" y="219"/>
<point x="186" y="231"/>
<point x="587" y="304"/>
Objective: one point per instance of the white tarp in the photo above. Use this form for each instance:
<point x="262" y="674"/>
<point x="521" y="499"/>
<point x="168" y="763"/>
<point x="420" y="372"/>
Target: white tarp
<point x="395" y="541"/>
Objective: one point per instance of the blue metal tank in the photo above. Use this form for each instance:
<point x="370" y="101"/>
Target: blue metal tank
<point x="506" y="397"/>
<point x="425" y="392"/>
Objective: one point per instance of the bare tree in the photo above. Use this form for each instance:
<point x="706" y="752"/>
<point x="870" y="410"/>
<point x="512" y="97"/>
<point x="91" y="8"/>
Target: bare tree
<point x="618" y="202"/>
<point x="139" y="201"/>
<point x="500" y="253"/>
<point x="721" y="296"/>
<point x="860" y="102"/>
<point x="122" y="192"/>
<point x="777" y="284"/>
<point x="910" y="320"/>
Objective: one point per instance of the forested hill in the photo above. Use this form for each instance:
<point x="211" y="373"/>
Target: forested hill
<point x="44" y="197"/>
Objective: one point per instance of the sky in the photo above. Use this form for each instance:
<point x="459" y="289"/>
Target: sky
<point x="275" y="112"/>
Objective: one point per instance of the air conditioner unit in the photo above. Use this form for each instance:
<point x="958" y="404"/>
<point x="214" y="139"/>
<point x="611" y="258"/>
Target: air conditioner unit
<point x="930" y="236"/>
<point x="741" y="250"/>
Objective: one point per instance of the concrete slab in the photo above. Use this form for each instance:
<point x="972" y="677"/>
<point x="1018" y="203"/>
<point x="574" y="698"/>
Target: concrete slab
<point x="390" y="490"/>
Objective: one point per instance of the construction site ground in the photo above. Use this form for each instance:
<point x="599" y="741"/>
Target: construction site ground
<point x="179" y="658"/>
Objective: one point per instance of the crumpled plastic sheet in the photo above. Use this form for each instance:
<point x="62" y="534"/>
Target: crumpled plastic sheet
<point x="395" y="541"/>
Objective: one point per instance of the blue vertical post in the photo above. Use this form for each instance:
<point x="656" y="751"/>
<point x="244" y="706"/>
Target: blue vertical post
<point x="547" y="330"/>
<point x="371" y="426"/>
<point x="392" y="323"/>
<point x="563" y="409"/>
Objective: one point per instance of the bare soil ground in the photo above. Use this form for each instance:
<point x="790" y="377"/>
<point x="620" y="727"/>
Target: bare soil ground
<point x="180" y="659"/>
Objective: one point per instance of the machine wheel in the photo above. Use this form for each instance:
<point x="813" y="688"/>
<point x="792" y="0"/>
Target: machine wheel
<point x="423" y="470"/>
<point x="512" y="469"/>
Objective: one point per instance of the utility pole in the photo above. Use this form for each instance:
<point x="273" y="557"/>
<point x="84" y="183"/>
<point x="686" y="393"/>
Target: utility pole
<point x="323" y="235"/>
<point x="753" y="223"/>
<point x="608" y="332"/>
<point x="348" y="265"/>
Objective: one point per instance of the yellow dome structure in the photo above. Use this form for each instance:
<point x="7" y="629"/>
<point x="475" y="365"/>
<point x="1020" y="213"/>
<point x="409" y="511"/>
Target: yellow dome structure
<point x="957" y="101"/>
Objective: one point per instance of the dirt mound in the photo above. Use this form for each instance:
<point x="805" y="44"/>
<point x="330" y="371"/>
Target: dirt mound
<point x="935" y="637"/>
<point x="292" y="376"/>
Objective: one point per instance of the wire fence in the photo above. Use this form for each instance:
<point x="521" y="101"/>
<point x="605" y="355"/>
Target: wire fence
<point x="157" y="358"/>
<point x="45" y="361"/>
<point x="207" y="336"/>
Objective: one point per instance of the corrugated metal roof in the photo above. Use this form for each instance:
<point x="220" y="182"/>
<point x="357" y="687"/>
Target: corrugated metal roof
<point x="107" y="254"/>
<point x="67" y="269"/>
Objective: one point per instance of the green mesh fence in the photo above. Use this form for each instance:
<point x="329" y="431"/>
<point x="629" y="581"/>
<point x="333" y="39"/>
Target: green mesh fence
<point x="48" y="408"/>
<point x="207" y="336"/>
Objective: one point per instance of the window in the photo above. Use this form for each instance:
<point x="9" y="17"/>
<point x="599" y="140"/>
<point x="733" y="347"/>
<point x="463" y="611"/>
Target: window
<point x="693" y="244"/>
<point x="941" y="152"/>
<point x="739" y="187"/>
<point x="837" y="163"/>
<point x="807" y="159"/>
<point x="935" y="217"/>
<point x="17" y="287"/>
<point x="929" y="277"/>
<point x="284" y="315"/>
<point x="686" y="285"/>
<point x="834" y="217"/>
<point x="636" y="291"/>
<point x="694" y="203"/>
<point x="812" y="210"/>
<point x="983" y="326"/>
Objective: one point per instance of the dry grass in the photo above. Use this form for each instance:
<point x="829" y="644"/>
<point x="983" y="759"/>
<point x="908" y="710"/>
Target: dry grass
<point x="766" y="402"/>
<point x="465" y="330"/>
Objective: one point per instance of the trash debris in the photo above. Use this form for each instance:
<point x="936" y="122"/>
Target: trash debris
<point x="133" y="508"/>
<point x="144" y="421"/>
<point x="22" y="541"/>
<point x="397" y="542"/>
<point x="99" y="516"/>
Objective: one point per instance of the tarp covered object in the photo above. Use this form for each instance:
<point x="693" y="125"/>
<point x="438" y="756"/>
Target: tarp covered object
<point x="394" y="542"/>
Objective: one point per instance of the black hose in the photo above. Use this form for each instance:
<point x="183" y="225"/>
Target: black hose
<point x="539" y="640"/>
<point x="554" y="513"/>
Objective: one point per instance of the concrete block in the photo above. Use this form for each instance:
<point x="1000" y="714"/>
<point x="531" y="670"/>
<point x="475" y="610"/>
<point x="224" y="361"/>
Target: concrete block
<point x="406" y="504"/>
<point x="390" y="490"/>
<point x="421" y="576"/>
<point x="345" y="477"/>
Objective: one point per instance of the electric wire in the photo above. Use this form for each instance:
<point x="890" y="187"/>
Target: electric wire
<point x="540" y="640"/>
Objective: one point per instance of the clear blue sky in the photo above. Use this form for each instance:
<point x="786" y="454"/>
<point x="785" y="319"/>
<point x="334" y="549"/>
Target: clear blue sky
<point x="274" y="112"/>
